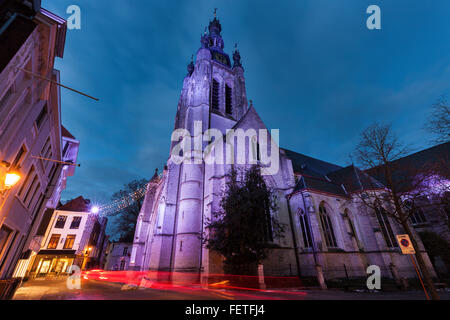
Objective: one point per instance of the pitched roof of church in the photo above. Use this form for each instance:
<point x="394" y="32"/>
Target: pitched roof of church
<point x="433" y="160"/>
<point x="327" y="177"/>
<point x="354" y="179"/>
<point x="306" y="164"/>
<point x="314" y="173"/>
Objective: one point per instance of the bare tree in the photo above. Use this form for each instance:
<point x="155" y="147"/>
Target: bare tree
<point x="126" y="217"/>
<point x="439" y="121"/>
<point x="404" y="182"/>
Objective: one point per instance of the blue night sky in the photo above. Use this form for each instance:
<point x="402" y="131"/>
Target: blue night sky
<point x="312" y="68"/>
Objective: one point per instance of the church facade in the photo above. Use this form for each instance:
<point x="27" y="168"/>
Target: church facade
<point x="329" y="232"/>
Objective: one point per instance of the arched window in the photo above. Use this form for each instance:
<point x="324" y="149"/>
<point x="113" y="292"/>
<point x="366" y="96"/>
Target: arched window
<point x="215" y="95"/>
<point x="386" y="228"/>
<point x="350" y="223"/>
<point x="351" y="227"/>
<point x="228" y="100"/>
<point x="417" y="216"/>
<point x="255" y="149"/>
<point x="327" y="227"/>
<point x="304" y="226"/>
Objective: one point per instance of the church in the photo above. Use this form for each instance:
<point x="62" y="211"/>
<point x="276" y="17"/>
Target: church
<point x="329" y="235"/>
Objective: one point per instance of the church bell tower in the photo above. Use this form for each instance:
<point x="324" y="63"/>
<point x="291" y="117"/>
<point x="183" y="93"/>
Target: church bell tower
<point x="214" y="93"/>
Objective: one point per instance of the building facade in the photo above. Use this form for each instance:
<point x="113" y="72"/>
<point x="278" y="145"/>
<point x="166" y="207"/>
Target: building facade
<point x="75" y="236"/>
<point x="118" y="256"/>
<point x="30" y="124"/>
<point x="330" y="233"/>
<point x="70" y="148"/>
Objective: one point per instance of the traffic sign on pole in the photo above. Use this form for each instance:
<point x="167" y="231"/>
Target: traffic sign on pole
<point x="405" y="244"/>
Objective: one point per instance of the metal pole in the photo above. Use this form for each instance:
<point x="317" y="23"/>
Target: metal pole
<point x="57" y="161"/>
<point x="57" y="83"/>
<point x="420" y="278"/>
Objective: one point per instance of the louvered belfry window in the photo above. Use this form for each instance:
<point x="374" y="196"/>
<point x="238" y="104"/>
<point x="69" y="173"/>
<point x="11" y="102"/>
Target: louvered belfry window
<point x="228" y="101"/>
<point x="215" y="95"/>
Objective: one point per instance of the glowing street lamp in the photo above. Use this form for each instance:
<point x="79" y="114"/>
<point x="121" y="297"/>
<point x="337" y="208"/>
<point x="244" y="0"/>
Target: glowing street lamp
<point x="95" y="209"/>
<point x="11" y="178"/>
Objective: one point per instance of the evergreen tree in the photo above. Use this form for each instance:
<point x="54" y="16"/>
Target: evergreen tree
<point x="243" y="229"/>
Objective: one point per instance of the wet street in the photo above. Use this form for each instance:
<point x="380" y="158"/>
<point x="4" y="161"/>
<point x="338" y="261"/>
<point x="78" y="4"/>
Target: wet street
<point x="102" y="290"/>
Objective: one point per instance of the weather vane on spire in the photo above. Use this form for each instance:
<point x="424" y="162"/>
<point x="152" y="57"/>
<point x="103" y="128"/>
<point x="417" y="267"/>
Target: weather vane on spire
<point x="215" y="12"/>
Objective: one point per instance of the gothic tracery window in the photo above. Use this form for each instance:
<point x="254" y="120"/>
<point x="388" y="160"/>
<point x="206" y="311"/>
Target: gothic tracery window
<point x="418" y="217"/>
<point x="386" y="228"/>
<point x="304" y="226"/>
<point x="327" y="227"/>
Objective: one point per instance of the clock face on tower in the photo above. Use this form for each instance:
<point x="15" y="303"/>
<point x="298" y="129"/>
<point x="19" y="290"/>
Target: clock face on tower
<point x="222" y="58"/>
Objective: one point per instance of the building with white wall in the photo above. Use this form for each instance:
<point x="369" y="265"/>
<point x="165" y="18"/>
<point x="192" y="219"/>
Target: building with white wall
<point x="75" y="236"/>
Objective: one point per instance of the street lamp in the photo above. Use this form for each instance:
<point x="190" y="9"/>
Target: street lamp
<point x="95" y="209"/>
<point x="11" y="177"/>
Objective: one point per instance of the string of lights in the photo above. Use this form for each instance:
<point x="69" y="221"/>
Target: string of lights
<point x="122" y="203"/>
<point x="118" y="205"/>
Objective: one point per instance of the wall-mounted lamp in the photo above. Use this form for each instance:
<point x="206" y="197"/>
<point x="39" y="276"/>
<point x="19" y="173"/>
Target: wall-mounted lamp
<point x="10" y="179"/>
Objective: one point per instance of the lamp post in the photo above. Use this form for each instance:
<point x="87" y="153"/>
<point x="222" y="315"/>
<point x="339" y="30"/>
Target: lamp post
<point x="86" y="257"/>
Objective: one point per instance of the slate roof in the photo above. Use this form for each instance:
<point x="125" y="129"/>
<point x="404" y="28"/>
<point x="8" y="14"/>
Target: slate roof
<point x="314" y="173"/>
<point x="78" y="205"/>
<point x="66" y="133"/>
<point x="309" y="165"/>
<point x="354" y="179"/>
<point x="434" y="160"/>
<point x="328" y="177"/>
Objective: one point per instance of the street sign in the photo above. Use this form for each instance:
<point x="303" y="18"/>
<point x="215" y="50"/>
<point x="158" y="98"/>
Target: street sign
<point x="405" y="244"/>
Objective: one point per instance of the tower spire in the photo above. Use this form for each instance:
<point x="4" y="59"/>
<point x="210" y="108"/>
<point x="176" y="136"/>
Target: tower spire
<point x="236" y="57"/>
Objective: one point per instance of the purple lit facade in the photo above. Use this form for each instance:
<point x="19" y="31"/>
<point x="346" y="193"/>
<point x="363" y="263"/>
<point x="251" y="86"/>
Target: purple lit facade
<point x="329" y="232"/>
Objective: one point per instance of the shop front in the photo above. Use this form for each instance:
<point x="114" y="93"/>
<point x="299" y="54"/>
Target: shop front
<point x="53" y="263"/>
